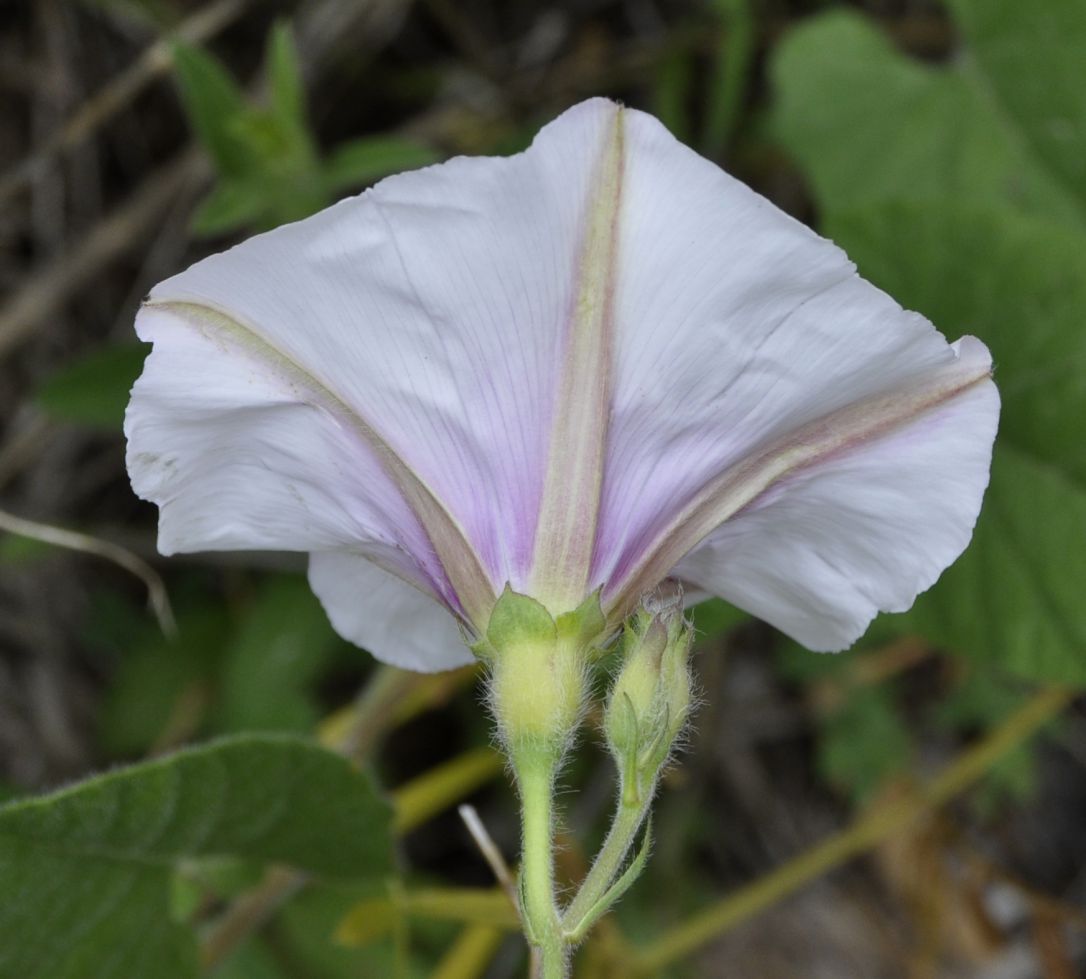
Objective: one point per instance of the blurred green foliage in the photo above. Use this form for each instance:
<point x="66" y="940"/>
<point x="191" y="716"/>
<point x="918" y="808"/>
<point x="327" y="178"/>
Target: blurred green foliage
<point x="865" y="742"/>
<point x="870" y="124"/>
<point x="309" y="921"/>
<point x="269" y="168"/>
<point x="715" y="618"/>
<point x="978" y="700"/>
<point x="254" y="670"/>
<point x="93" y="390"/>
<point x="960" y="187"/>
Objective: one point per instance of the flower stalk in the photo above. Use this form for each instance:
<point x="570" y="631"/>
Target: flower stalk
<point x="646" y="711"/>
<point x="538" y="667"/>
<point x="606" y="882"/>
<point x="539" y="914"/>
<point x="537" y="689"/>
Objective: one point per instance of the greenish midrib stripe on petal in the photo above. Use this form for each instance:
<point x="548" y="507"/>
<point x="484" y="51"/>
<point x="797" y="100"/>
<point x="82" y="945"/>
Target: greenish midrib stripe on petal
<point x="569" y="510"/>
<point x="742" y="484"/>
<point x="457" y="556"/>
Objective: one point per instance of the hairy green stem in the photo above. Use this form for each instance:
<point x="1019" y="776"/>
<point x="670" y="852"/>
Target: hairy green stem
<point x="535" y="774"/>
<point x="620" y="839"/>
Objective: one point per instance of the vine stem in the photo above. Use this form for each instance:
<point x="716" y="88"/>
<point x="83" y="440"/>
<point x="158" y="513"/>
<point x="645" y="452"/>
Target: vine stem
<point x="866" y="833"/>
<point x="535" y="775"/>
<point x="608" y="862"/>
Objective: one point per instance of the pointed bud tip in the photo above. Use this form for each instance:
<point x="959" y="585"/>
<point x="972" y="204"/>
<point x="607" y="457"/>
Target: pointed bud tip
<point x="651" y="696"/>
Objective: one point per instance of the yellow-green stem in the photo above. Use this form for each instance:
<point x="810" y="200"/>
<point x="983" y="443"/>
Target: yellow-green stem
<point x="608" y="862"/>
<point x="535" y="775"/>
<point x="469" y="957"/>
<point x="868" y="832"/>
<point x="434" y="791"/>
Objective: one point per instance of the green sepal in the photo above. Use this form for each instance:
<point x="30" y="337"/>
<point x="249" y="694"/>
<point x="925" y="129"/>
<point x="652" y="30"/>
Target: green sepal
<point x="655" y="754"/>
<point x="626" y="755"/>
<point x="531" y="934"/>
<point x="586" y="625"/>
<point x="518" y="619"/>
<point x="537" y="678"/>
<point x="650" y="699"/>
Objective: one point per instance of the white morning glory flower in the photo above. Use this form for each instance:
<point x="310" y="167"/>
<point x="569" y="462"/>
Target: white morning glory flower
<point x="593" y="365"/>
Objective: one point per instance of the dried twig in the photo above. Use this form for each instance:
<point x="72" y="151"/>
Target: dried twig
<point x="248" y="913"/>
<point x="489" y="849"/>
<point x="22" y="446"/>
<point x="73" y="541"/>
<point x="155" y="61"/>
<point x="50" y="288"/>
<point x="488" y="938"/>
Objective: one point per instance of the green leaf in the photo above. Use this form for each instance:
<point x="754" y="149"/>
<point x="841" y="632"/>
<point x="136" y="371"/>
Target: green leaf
<point x="157" y="679"/>
<point x="93" y="390"/>
<point x="869" y="124"/>
<point x="91" y="865"/>
<point x="256" y="671"/>
<point x="291" y="197"/>
<point x="280" y="649"/>
<point x="1031" y="57"/>
<point x="231" y="205"/>
<point x="519" y="619"/>
<point x="1015" y="596"/>
<point x="266" y="158"/>
<point x="213" y="103"/>
<point x="728" y="82"/>
<point x="285" y="78"/>
<point x="1018" y="283"/>
<point x="864" y="742"/>
<point x="585" y="624"/>
<point x="309" y="923"/>
<point x="288" y="144"/>
<point x="252" y="960"/>
<point x="362" y="161"/>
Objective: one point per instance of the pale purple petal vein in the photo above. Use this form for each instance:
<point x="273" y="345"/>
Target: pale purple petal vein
<point x="594" y="364"/>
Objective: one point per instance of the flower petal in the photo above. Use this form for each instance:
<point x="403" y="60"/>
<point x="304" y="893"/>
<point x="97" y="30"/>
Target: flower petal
<point x="221" y="441"/>
<point x="380" y="612"/>
<point x="569" y="511"/>
<point x="418" y="377"/>
<point x="861" y="531"/>
<point x="737" y="328"/>
<point x="430" y="308"/>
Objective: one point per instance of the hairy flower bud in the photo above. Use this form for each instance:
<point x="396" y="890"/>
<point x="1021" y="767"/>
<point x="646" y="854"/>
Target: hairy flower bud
<point x="651" y="696"/>
<point x="538" y="665"/>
